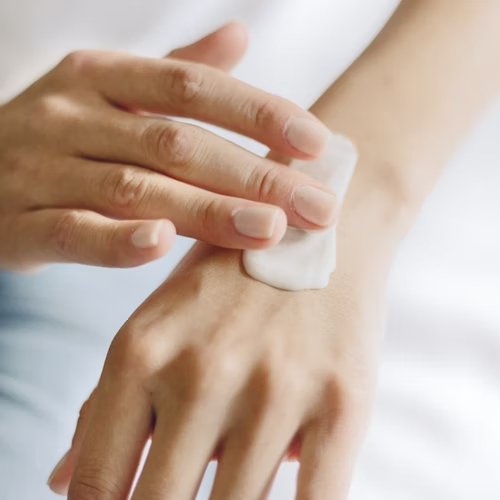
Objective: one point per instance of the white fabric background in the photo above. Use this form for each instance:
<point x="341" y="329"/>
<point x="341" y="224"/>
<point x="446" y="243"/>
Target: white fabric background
<point x="434" y="434"/>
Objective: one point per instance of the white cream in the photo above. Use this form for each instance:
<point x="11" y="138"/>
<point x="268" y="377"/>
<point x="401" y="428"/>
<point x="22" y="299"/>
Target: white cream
<point x="303" y="259"/>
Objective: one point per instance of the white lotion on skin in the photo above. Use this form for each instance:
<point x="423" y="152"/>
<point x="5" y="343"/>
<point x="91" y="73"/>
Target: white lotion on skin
<point x="304" y="260"/>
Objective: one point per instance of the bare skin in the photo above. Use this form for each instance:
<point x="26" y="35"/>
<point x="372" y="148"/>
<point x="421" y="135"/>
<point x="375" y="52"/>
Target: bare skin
<point x="215" y="363"/>
<point x="90" y="173"/>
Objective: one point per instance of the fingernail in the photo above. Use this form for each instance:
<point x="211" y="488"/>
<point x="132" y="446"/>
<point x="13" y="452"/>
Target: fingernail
<point x="306" y="135"/>
<point x="59" y="489"/>
<point x="147" y="235"/>
<point x="314" y="205"/>
<point x="257" y="222"/>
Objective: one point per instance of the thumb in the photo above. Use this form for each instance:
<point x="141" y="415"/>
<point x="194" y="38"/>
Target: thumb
<point x="60" y="477"/>
<point x="222" y="49"/>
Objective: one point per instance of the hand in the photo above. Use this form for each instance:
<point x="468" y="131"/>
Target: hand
<point x="90" y="171"/>
<point x="217" y="364"/>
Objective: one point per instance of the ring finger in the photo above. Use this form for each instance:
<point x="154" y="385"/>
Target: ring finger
<point x="255" y="446"/>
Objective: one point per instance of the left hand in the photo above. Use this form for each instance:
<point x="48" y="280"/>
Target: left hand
<point x="90" y="173"/>
<point x="215" y="364"/>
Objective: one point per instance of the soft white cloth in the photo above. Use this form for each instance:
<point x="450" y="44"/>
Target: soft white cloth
<point x="435" y="434"/>
<point x="304" y="260"/>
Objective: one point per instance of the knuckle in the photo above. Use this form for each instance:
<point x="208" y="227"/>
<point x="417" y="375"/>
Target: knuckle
<point x="94" y="483"/>
<point x="220" y="365"/>
<point x="264" y="182"/>
<point x="50" y="109"/>
<point x="207" y="210"/>
<point x="78" y="63"/>
<point x="132" y="352"/>
<point x="65" y="233"/>
<point x="167" y="143"/>
<point x="45" y="107"/>
<point x="206" y="214"/>
<point x="125" y="189"/>
<point x="186" y="82"/>
<point x="266" y="115"/>
<point x="211" y="369"/>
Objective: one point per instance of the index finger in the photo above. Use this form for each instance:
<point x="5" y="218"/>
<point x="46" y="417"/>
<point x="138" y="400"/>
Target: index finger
<point x="179" y="88"/>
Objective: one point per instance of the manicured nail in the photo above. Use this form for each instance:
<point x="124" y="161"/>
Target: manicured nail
<point x="314" y="205"/>
<point x="56" y="488"/>
<point x="257" y="222"/>
<point x="147" y="235"/>
<point x="307" y="135"/>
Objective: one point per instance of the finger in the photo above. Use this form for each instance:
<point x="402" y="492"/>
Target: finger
<point x="186" y="434"/>
<point x="250" y="461"/>
<point x="113" y="444"/>
<point x="254" y="448"/>
<point x="251" y="477"/>
<point x="61" y="475"/>
<point x="327" y="459"/>
<point x="66" y="235"/>
<point x="178" y="457"/>
<point x="221" y="49"/>
<point x="196" y="156"/>
<point x="134" y="193"/>
<point x="173" y="87"/>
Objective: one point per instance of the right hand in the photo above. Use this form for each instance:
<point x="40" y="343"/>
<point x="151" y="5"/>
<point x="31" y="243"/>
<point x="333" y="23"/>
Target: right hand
<point x="90" y="172"/>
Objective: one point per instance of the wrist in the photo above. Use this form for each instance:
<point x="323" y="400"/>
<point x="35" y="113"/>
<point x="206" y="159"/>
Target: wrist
<point x="374" y="220"/>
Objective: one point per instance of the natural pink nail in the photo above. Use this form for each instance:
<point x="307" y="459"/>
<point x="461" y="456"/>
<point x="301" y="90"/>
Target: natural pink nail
<point x="258" y="222"/>
<point x="147" y="235"/>
<point x="314" y="205"/>
<point x="307" y="135"/>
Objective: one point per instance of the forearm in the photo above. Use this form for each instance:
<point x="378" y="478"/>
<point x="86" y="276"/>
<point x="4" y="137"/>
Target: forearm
<point x="406" y="103"/>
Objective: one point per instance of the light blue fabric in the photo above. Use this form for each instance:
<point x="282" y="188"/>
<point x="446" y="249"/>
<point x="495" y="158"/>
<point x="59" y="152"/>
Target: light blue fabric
<point x="55" y="328"/>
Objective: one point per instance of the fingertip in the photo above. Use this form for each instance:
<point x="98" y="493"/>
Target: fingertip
<point x="273" y="237"/>
<point x="151" y="240"/>
<point x="317" y="207"/>
<point x="307" y="136"/>
<point x="60" y="477"/>
<point x="238" y="32"/>
<point x="279" y="227"/>
<point x="152" y="234"/>
<point x="167" y="234"/>
<point x="261" y="225"/>
<point x="227" y="44"/>
<point x="59" y="488"/>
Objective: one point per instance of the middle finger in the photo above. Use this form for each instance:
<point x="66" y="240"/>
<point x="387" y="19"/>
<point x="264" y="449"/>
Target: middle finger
<point x="258" y="441"/>
<point x="199" y="157"/>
